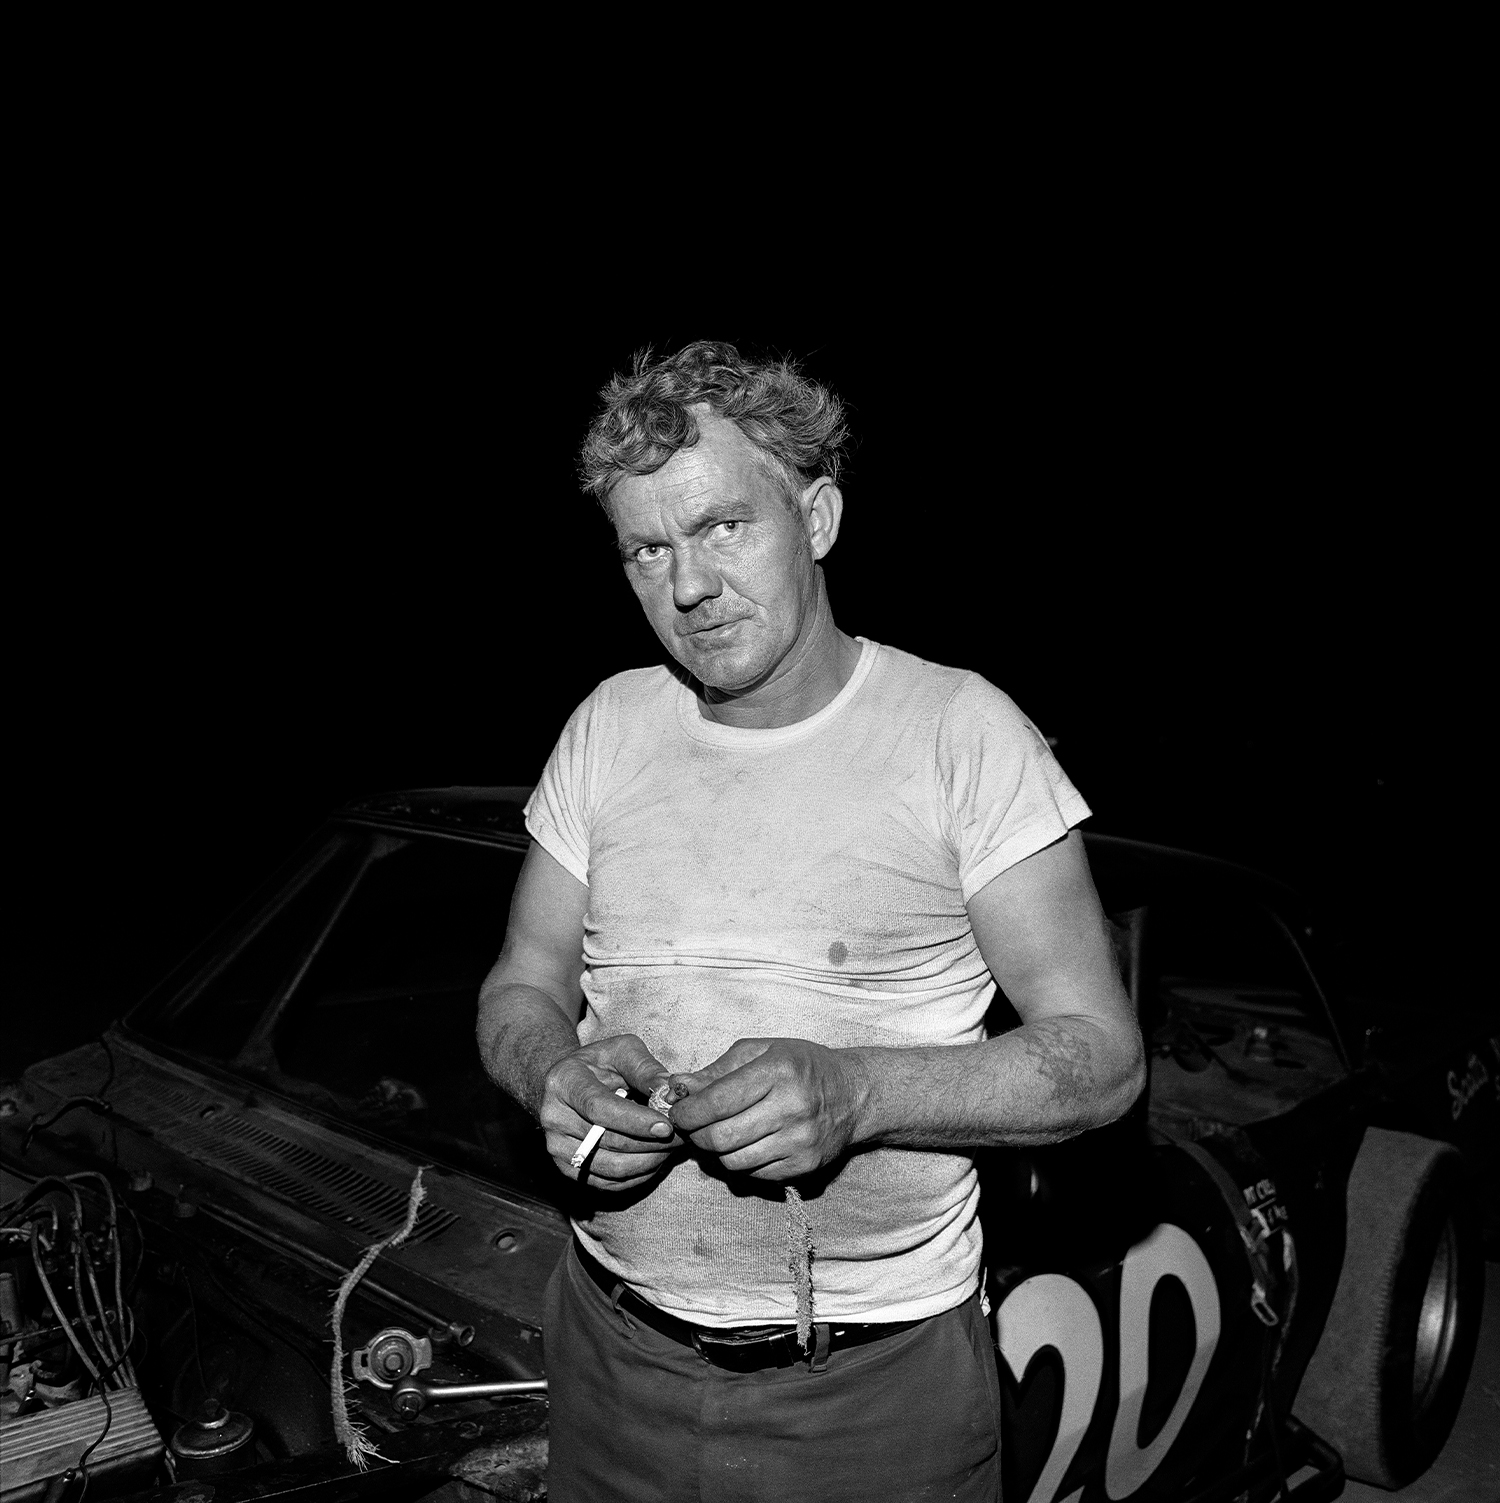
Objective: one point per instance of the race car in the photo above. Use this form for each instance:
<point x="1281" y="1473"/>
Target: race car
<point x="1271" y="1269"/>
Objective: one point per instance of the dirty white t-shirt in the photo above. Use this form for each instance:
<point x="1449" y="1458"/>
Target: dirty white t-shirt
<point x="802" y="882"/>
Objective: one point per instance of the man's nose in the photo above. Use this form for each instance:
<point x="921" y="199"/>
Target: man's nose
<point x="694" y="579"/>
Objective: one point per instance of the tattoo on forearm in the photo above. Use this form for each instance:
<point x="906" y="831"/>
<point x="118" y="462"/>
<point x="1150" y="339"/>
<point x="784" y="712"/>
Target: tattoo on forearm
<point x="1063" y="1059"/>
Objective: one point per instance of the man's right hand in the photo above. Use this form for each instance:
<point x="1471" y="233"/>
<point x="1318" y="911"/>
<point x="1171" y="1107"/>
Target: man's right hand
<point x="580" y="1091"/>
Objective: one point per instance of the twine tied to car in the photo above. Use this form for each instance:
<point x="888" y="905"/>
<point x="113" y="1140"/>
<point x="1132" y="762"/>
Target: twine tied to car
<point x="356" y="1443"/>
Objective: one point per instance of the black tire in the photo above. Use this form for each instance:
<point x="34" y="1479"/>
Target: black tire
<point x="1388" y="1375"/>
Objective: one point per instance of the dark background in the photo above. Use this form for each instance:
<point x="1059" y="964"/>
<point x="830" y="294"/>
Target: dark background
<point x="303" y="530"/>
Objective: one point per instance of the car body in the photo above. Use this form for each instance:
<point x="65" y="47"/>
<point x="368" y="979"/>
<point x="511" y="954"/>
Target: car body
<point x="1160" y="1288"/>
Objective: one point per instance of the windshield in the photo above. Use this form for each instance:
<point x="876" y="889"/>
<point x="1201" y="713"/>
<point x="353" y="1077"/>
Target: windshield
<point x="356" y="990"/>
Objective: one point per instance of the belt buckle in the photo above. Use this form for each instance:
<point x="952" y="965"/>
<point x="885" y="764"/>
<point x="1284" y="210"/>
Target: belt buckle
<point x="707" y="1342"/>
<point x="742" y="1335"/>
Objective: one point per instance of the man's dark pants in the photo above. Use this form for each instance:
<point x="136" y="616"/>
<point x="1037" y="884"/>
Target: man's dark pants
<point x="637" y="1417"/>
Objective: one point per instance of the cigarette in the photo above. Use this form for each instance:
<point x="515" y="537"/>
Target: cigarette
<point x="590" y="1141"/>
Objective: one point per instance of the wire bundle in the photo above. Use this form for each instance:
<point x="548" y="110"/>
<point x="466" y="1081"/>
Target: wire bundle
<point x="37" y="1222"/>
<point x="110" y="1365"/>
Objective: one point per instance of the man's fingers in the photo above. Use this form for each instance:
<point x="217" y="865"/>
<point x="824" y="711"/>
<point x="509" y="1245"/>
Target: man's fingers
<point x="627" y="1118"/>
<point x="637" y="1065"/>
<point x="727" y="1096"/>
<point x="607" y="1168"/>
<point x="765" y="1160"/>
<point x="583" y="1096"/>
<point x="730" y="1134"/>
<point x="614" y="1142"/>
<point x="614" y="1185"/>
<point x="741" y="1052"/>
<point x="605" y="1165"/>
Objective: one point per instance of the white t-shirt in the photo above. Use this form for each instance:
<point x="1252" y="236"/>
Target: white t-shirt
<point x="802" y="882"/>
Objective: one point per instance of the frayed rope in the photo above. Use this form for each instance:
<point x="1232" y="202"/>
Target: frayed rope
<point x="799" y="1244"/>
<point x="799" y="1239"/>
<point x="357" y="1445"/>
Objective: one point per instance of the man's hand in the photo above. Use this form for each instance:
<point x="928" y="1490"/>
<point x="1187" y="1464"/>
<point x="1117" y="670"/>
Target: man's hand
<point x="774" y="1109"/>
<point x="580" y="1091"/>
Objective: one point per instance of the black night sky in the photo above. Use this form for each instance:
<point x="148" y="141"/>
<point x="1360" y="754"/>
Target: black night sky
<point x="303" y="536"/>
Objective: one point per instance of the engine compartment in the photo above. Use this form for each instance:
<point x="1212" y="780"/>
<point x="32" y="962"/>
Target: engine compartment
<point x="71" y="1404"/>
<point x="149" y="1350"/>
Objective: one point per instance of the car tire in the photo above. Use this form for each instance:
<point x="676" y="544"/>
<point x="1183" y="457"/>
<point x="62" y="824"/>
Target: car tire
<point x="1388" y="1374"/>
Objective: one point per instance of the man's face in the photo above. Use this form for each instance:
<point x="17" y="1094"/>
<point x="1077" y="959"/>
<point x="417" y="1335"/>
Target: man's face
<point x="721" y="562"/>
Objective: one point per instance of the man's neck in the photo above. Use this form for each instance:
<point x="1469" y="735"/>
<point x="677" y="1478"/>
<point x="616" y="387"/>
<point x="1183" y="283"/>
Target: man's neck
<point x="809" y="678"/>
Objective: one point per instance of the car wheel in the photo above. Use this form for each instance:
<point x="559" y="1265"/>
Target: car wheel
<point x="1387" y="1377"/>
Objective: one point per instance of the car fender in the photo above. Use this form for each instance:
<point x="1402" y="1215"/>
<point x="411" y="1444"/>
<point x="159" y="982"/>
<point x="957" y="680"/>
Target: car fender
<point x="1127" y="1376"/>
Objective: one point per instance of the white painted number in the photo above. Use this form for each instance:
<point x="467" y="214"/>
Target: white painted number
<point x="1052" y="1310"/>
<point x="1168" y="1250"/>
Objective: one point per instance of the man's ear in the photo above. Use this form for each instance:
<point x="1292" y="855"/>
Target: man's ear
<point x="822" y="508"/>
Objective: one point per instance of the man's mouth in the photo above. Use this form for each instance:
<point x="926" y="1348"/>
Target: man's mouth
<point x="712" y="626"/>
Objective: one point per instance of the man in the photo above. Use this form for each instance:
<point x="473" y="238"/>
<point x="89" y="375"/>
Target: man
<point x="789" y="871"/>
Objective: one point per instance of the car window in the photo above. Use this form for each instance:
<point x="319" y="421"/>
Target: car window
<point x="215" y="1013"/>
<point x="360" y="999"/>
<point x="1237" y="1028"/>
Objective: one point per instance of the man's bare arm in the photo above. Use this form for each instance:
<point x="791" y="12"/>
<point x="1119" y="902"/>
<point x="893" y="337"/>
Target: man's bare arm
<point x="531" y="1000"/>
<point x="777" y="1108"/>
<point x="1075" y="1063"/>
<point x="528" y="1040"/>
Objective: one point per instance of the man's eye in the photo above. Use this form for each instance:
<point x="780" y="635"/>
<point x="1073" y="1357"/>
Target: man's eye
<point x="729" y="528"/>
<point x="650" y="553"/>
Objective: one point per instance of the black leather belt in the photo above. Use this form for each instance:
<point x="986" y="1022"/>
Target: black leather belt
<point x="738" y="1348"/>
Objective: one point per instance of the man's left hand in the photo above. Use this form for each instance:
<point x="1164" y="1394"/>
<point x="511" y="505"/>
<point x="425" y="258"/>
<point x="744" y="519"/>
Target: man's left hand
<point x="774" y="1109"/>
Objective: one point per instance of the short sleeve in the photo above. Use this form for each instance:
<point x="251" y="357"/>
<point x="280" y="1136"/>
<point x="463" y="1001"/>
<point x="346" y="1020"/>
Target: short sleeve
<point x="559" y="812"/>
<point x="1007" y="795"/>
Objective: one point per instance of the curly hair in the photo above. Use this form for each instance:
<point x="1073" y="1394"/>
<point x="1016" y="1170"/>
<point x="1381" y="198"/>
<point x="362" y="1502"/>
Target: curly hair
<point x="796" y="425"/>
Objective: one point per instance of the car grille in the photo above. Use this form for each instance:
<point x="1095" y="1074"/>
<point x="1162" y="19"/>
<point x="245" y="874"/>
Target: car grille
<point x="253" y="1153"/>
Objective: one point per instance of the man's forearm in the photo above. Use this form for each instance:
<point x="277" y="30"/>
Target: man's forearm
<point x="522" y="1034"/>
<point x="1040" y="1083"/>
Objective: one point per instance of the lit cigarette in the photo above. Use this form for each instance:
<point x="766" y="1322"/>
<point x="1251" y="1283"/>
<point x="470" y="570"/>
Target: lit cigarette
<point x="590" y="1141"/>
